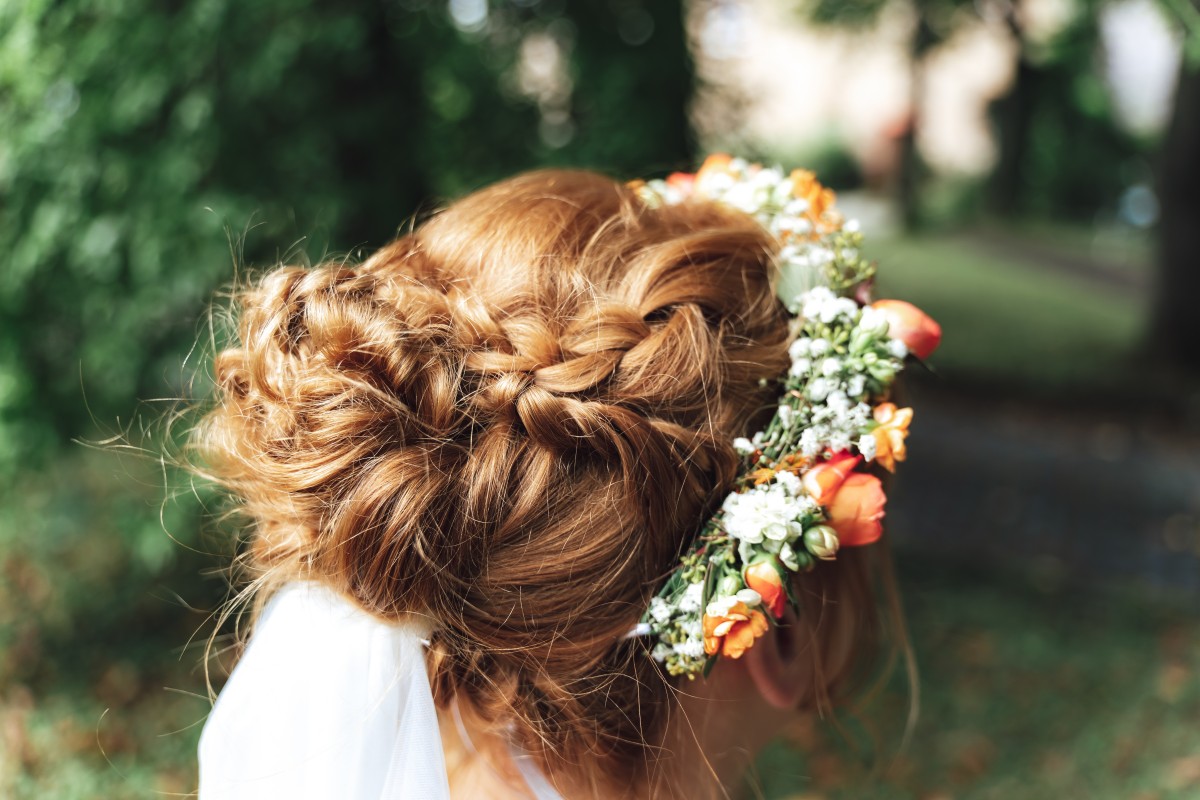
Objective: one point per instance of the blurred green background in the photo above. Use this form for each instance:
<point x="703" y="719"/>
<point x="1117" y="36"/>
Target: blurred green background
<point x="1047" y="527"/>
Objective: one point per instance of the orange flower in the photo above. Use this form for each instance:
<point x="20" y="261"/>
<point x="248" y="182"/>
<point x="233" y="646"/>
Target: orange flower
<point x="764" y="578"/>
<point x="806" y="187"/>
<point x="889" y="436"/>
<point x="823" y="480"/>
<point x="717" y="162"/>
<point x="856" y="510"/>
<point x="734" y="632"/>
<point x="910" y="325"/>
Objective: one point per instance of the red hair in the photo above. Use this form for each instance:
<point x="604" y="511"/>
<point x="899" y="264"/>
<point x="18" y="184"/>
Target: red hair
<point x="510" y="421"/>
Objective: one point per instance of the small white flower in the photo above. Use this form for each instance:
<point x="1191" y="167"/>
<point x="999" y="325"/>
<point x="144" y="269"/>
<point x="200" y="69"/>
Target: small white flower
<point x="838" y="402"/>
<point x="743" y="446"/>
<point x="831" y="367"/>
<point x="689" y="603"/>
<point x="897" y="349"/>
<point x="810" y="443"/>
<point x="851" y="226"/>
<point x="789" y="481"/>
<point x="749" y="597"/>
<point x="788" y="556"/>
<point x="873" y="322"/>
<point x="819" y="389"/>
<point x="859" y="415"/>
<point x="866" y="446"/>
<point x="661" y="651"/>
<point x="720" y="606"/>
<point x="856" y="386"/>
<point x="800" y="367"/>
<point x="796" y="207"/>
<point x="839" y="441"/>
<point x="691" y="648"/>
<point x="786" y="414"/>
<point x="660" y="610"/>
<point x="819" y="347"/>
<point x="800" y="348"/>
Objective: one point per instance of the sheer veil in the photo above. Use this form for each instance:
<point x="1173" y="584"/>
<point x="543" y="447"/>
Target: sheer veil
<point x="328" y="702"/>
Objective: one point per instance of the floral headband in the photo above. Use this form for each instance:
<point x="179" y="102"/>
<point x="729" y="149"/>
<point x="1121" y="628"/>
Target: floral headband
<point x="802" y="491"/>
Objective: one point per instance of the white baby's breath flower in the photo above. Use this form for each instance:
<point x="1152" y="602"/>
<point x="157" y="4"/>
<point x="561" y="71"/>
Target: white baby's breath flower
<point x="789" y="481"/>
<point x="897" y="349"/>
<point x="819" y="347"/>
<point x="851" y="226"/>
<point x="743" y="446"/>
<point x="786" y="414"/>
<point x="690" y="648"/>
<point x="831" y="366"/>
<point x="856" y="386"/>
<point x="859" y="415"/>
<point x="866" y="446"/>
<point x="689" y="603"/>
<point x="837" y="401"/>
<point x="800" y="367"/>
<point x="819" y="389"/>
<point x="796" y="207"/>
<point x="839" y="441"/>
<point x="800" y="348"/>
<point x="873" y="322"/>
<point x="810" y="443"/>
<point x="660" y="610"/>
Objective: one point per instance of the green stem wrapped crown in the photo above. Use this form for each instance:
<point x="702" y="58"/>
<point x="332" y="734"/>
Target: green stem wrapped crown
<point x="802" y="492"/>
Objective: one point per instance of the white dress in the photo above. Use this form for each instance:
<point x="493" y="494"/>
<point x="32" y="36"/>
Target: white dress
<point x="328" y="702"/>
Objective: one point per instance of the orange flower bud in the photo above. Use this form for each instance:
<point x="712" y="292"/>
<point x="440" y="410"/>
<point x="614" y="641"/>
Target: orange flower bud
<point x="889" y="436"/>
<point x="823" y="480"/>
<point x="856" y="510"/>
<point x="681" y="181"/>
<point x="764" y="578"/>
<point x="910" y="325"/>
<point x="734" y="632"/>
<point x="715" y="163"/>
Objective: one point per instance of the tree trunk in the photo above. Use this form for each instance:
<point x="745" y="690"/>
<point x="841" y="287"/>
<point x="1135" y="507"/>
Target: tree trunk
<point x="1013" y="116"/>
<point x="910" y="168"/>
<point x="1176" y="332"/>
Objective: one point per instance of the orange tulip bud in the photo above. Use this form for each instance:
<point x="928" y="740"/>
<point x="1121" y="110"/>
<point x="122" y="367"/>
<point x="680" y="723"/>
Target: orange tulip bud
<point x="764" y="578"/>
<point x="856" y="510"/>
<point x="823" y="480"/>
<point x="910" y="325"/>
<point x="734" y="632"/>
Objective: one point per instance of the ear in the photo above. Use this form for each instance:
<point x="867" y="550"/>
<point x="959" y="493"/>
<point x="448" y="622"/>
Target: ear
<point x="776" y="664"/>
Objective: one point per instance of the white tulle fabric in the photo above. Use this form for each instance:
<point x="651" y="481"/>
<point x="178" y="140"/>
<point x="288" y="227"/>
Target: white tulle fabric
<point x="326" y="702"/>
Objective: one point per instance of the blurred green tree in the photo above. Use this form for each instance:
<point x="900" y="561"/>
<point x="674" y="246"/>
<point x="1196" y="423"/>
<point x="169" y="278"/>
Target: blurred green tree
<point x="142" y="140"/>
<point x="1053" y="125"/>
<point x="1175" y="331"/>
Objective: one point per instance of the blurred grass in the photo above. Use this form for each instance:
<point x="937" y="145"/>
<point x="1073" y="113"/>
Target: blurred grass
<point x="1029" y="693"/>
<point x="1026" y="692"/>
<point x="1014" y="319"/>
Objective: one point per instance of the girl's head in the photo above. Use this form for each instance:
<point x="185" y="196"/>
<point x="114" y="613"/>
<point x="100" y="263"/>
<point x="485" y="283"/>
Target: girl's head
<point x="510" y="423"/>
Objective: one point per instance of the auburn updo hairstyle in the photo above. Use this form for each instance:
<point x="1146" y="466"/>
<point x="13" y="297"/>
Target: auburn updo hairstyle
<point x="511" y="422"/>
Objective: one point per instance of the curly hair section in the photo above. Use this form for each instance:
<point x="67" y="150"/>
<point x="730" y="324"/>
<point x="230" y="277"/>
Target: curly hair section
<point x="511" y="422"/>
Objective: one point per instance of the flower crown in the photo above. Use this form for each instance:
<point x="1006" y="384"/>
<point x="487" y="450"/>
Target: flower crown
<point x="802" y="491"/>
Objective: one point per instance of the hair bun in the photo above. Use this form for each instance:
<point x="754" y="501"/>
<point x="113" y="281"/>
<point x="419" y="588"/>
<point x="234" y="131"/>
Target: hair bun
<point x="510" y="420"/>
